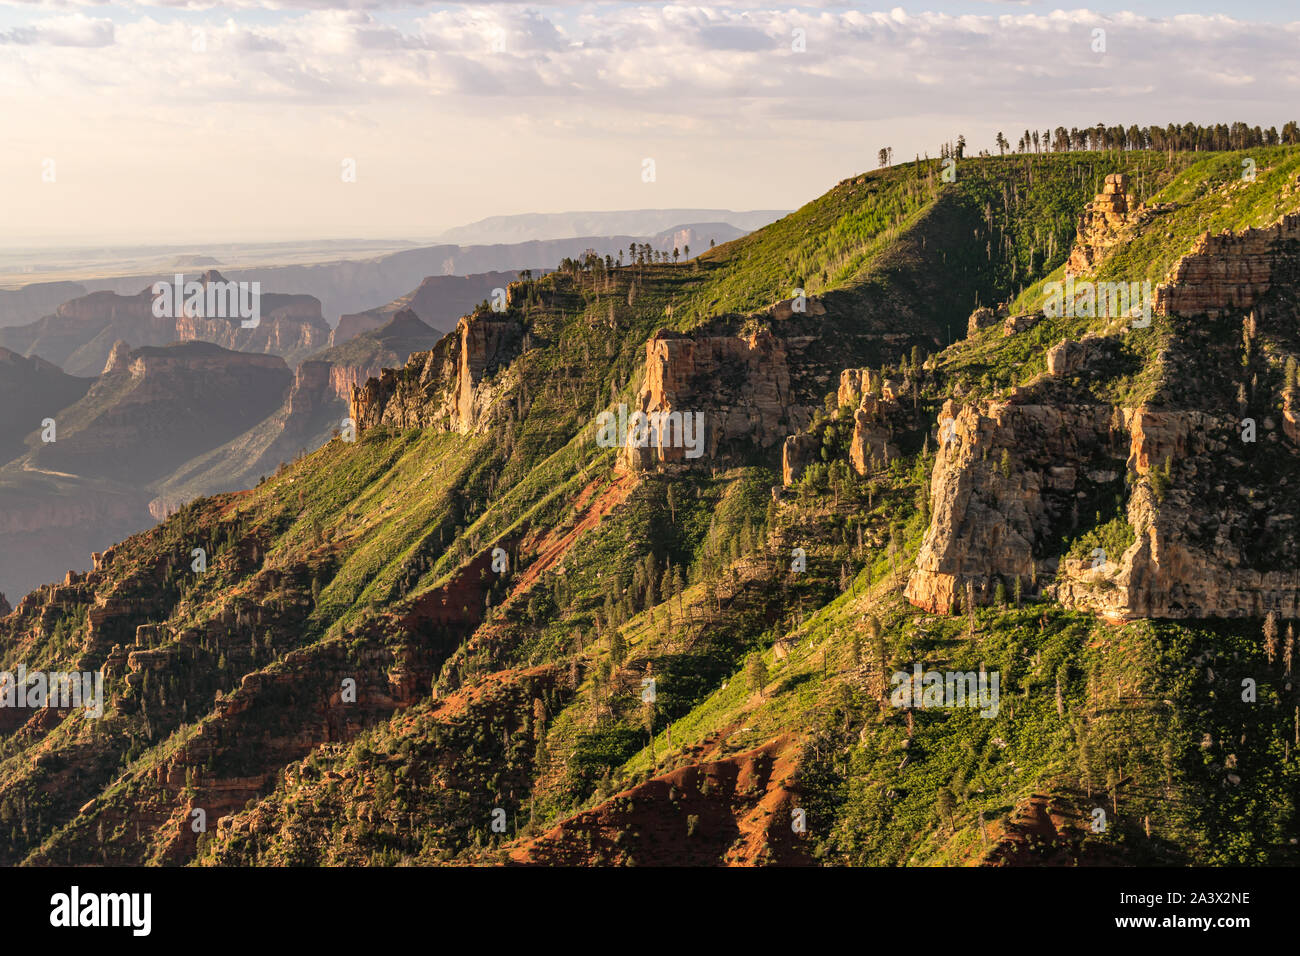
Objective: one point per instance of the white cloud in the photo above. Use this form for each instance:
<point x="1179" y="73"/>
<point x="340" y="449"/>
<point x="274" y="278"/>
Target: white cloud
<point x="544" y="98"/>
<point x="630" y="56"/>
<point x="75" y="30"/>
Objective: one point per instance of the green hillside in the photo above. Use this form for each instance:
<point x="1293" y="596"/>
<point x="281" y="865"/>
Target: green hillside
<point x="523" y="690"/>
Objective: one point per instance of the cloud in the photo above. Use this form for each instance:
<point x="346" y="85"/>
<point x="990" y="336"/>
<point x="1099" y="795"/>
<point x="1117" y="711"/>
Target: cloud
<point x="681" y="63"/>
<point x="764" y="105"/>
<point x="75" y="30"/>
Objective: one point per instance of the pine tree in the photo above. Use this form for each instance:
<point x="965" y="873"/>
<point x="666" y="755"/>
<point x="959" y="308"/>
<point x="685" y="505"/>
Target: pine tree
<point x="944" y="803"/>
<point x="756" y="673"/>
<point x="970" y="609"/>
<point x="1270" y="637"/>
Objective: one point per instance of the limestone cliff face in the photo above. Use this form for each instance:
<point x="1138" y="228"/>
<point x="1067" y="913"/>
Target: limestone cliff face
<point x="155" y="370"/>
<point x="989" y="514"/>
<point x="1226" y="272"/>
<point x="740" y="384"/>
<point x="454" y="385"/>
<point x="996" y="520"/>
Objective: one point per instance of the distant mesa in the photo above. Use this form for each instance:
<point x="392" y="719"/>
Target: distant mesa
<point x="194" y="262"/>
<point x="79" y="335"/>
<point x="628" y="222"/>
<point x="439" y="302"/>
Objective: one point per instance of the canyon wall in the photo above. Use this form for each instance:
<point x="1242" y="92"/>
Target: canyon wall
<point x="1015" y="479"/>
<point x="1227" y="272"/>
<point x="78" y="336"/>
<point x="450" y="386"/>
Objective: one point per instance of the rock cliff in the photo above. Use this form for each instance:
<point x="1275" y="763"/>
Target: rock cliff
<point x="1106" y="222"/>
<point x="1227" y="272"/>
<point x="1017" y="480"/>
<point x="80" y="335"/>
<point x="450" y="386"/>
<point x="739" y="384"/>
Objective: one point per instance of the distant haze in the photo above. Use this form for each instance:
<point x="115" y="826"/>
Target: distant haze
<point x="630" y="222"/>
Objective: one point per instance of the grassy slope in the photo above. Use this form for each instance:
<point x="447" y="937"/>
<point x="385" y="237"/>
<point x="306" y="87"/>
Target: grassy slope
<point x="989" y="765"/>
<point x="383" y="521"/>
<point x="1207" y="195"/>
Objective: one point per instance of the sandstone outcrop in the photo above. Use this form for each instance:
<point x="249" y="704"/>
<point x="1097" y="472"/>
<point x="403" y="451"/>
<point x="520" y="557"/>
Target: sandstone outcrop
<point x="1227" y="272"/>
<point x="451" y="386"/>
<point x="789" y="308"/>
<point x="987" y="519"/>
<point x="1066" y="358"/>
<point x="1106" y="222"/>
<point x="1291" y="414"/>
<point x="1004" y="492"/>
<point x="854" y="383"/>
<point x="798" y="452"/>
<point x="981" y="318"/>
<point x="873" y="431"/>
<point x="1021" y="323"/>
<point x="740" y="384"/>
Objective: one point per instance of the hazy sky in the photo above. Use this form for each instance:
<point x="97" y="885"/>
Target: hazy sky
<point x="192" y="121"/>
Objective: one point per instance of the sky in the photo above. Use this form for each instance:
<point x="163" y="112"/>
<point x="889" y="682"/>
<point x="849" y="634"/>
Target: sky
<point x="189" y="121"/>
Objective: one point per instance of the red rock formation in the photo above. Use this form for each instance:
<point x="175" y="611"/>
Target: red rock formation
<point x="741" y="385"/>
<point x="1104" y="224"/>
<point x="741" y="807"/>
<point x="1227" y="272"/>
<point x="448" y="386"/>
